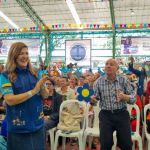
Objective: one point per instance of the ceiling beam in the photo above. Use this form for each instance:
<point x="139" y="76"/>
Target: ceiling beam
<point x="24" y="4"/>
<point x="112" y="13"/>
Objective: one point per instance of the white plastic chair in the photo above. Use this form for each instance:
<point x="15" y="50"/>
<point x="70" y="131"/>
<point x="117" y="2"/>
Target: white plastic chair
<point x="115" y="140"/>
<point x="94" y="130"/>
<point x="52" y="134"/>
<point x="136" y="136"/>
<point x="78" y="134"/>
<point x="146" y="107"/>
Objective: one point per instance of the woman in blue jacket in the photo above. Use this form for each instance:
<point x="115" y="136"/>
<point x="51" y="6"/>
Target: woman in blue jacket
<point x="21" y="90"/>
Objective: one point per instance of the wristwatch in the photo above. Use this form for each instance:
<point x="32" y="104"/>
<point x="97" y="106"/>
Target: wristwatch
<point x="29" y="93"/>
<point x="132" y="98"/>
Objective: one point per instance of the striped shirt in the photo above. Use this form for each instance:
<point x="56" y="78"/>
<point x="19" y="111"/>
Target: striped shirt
<point x="106" y="91"/>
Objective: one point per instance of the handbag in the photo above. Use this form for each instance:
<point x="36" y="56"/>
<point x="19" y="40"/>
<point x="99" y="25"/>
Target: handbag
<point x="71" y="118"/>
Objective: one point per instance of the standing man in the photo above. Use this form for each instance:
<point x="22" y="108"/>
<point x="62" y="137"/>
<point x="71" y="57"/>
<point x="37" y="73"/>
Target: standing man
<point x="114" y="92"/>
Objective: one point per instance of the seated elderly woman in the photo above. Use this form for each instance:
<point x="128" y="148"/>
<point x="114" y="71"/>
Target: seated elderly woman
<point x="65" y="90"/>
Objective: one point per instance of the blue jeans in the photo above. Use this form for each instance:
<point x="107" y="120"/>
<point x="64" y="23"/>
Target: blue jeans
<point x="26" y="141"/>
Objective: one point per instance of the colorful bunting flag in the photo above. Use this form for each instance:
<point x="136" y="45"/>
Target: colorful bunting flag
<point x="74" y="26"/>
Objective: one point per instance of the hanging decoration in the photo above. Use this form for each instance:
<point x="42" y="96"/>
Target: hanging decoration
<point x="85" y="93"/>
<point x="101" y="71"/>
<point x="77" y="26"/>
<point x="146" y="66"/>
<point x="65" y="70"/>
<point x="70" y="69"/>
<point x="78" y="72"/>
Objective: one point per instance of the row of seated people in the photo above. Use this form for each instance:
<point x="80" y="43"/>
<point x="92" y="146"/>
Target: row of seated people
<point x="65" y="92"/>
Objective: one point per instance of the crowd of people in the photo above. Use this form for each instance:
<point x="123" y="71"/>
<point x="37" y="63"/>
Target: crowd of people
<point x="33" y="98"/>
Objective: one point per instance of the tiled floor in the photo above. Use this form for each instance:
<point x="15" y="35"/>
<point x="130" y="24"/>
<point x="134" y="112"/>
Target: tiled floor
<point x="75" y="147"/>
<point x="70" y="147"/>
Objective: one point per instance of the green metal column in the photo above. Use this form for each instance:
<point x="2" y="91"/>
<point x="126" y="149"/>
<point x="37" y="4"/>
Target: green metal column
<point x="81" y="35"/>
<point x="113" y="26"/>
<point x="51" y="46"/>
<point x="49" y="52"/>
<point x="25" y="5"/>
<point x="45" y="61"/>
<point x="114" y="44"/>
<point x="47" y="48"/>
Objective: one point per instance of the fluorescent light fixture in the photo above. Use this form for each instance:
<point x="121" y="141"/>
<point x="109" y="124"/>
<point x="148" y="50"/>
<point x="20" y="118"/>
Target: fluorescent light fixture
<point x="8" y="20"/>
<point x="73" y="11"/>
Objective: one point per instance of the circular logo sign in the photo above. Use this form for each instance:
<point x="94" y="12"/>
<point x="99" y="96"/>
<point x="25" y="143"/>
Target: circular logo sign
<point x="78" y="52"/>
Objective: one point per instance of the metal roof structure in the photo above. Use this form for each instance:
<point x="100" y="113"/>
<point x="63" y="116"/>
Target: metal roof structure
<point x="42" y="12"/>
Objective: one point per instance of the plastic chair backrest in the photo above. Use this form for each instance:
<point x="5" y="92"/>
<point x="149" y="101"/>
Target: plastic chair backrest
<point x="134" y="106"/>
<point x="71" y="103"/>
<point x="96" y="110"/>
<point x="96" y="115"/>
<point x="146" y="108"/>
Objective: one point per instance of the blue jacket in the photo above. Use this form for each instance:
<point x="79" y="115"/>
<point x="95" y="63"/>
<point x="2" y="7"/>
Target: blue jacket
<point x="27" y="116"/>
<point x="4" y="127"/>
<point x="141" y="76"/>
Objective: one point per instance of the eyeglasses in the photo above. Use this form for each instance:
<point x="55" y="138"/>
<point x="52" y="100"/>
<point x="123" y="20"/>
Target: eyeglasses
<point x="48" y="84"/>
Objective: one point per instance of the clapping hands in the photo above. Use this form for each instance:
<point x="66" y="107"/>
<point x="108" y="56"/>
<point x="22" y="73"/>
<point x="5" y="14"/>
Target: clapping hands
<point x="40" y="84"/>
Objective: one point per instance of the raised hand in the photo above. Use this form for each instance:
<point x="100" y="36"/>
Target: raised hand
<point x="120" y="95"/>
<point x="131" y="59"/>
<point x="40" y="84"/>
